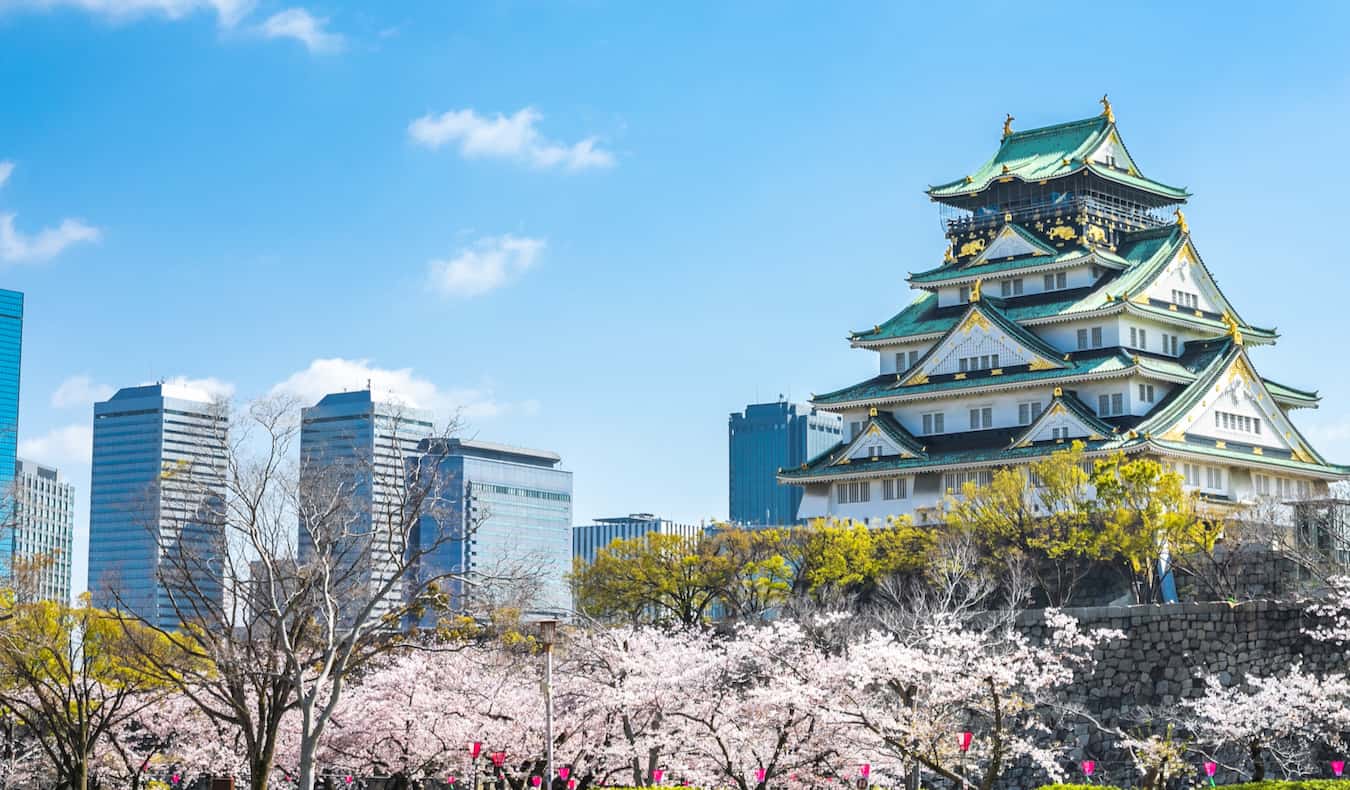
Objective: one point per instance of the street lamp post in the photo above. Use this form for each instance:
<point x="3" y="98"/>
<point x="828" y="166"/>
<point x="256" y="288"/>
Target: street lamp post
<point x="475" y="749"/>
<point x="548" y="634"/>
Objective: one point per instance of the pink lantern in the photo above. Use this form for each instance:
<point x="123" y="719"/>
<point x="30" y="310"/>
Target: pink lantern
<point x="177" y="778"/>
<point x="1338" y="767"/>
<point x="564" y="772"/>
<point x="865" y="770"/>
<point x="475" y="749"/>
<point x="536" y="780"/>
<point x="1089" y="766"/>
<point x="347" y="778"/>
<point x="657" y="773"/>
<point x="450" y="779"/>
<point x="498" y="759"/>
<point x="1210" y="768"/>
<point x="759" y="775"/>
<point x="965" y="740"/>
<point x="571" y="784"/>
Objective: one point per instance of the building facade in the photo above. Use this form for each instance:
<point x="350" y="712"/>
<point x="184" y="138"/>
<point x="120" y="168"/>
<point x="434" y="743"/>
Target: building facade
<point x="11" y="355"/>
<point x="590" y="538"/>
<point x="355" y="447"/>
<point x="156" y="498"/>
<point x="501" y="524"/>
<point x="1072" y="304"/>
<point x="44" y="530"/>
<point x="764" y="439"/>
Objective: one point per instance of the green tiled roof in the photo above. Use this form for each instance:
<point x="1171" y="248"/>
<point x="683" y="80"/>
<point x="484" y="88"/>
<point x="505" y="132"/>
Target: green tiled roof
<point x="1144" y="253"/>
<point x="1292" y="396"/>
<point x="888" y="385"/>
<point x="821" y="465"/>
<point x="1040" y="154"/>
<point x="946" y="273"/>
<point x="1248" y="457"/>
<point x="892" y="428"/>
<point x="1074" y="406"/>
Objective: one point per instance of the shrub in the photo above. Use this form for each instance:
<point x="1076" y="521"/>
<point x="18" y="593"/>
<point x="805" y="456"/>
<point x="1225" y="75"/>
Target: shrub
<point x="1077" y="787"/>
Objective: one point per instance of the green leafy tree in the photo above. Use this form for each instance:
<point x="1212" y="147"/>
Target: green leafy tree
<point x="1145" y="515"/>
<point x="1041" y="513"/>
<point x="653" y="578"/>
<point x="853" y="558"/>
<point x="71" y="674"/>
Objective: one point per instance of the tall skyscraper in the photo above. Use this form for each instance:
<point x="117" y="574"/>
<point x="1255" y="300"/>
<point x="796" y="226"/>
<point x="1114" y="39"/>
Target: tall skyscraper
<point x="11" y="347"/>
<point x="156" y="495"/>
<point x="587" y="539"/>
<point x="503" y="515"/>
<point x="44" y="530"/>
<point x="769" y="437"/>
<point x="356" y="447"/>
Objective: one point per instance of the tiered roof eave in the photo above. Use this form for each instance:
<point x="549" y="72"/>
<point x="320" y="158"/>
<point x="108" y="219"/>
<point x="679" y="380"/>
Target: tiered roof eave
<point x="1053" y="152"/>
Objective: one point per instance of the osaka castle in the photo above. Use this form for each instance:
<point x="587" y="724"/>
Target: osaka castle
<point x="1072" y="303"/>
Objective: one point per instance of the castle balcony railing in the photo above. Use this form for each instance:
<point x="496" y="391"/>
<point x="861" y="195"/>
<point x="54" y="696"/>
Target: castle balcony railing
<point x="1101" y="206"/>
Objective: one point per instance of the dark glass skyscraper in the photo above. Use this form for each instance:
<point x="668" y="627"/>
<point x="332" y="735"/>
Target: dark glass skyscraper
<point x="766" y="438"/>
<point x="11" y="346"/>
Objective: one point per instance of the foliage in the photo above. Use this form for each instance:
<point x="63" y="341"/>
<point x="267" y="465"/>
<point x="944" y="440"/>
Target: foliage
<point x="71" y="674"/>
<point x="1048" y="522"/>
<point x="1145" y="514"/>
<point x="853" y="558"/>
<point x="1078" y="787"/>
<point x="657" y="577"/>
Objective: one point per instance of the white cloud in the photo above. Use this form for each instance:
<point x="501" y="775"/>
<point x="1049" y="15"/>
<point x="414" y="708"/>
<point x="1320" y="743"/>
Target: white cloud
<point x="489" y="264"/>
<point x="401" y="385"/>
<point x="65" y="445"/>
<point x="301" y="25"/>
<point x="506" y="137"/>
<point x="207" y="389"/>
<point x="17" y="247"/>
<point x="6" y="167"/>
<point x="228" y="12"/>
<point x="80" y="391"/>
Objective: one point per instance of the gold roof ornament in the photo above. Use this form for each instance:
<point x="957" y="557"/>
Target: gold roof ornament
<point x="949" y="256"/>
<point x="1005" y="170"/>
<point x="975" y="290"/>
<point x="872" y="412"/>
<point x="1059" y="392"/>
<point x="1234" y="331"/>
<point x="1106" y="109"/>
<point x="1007" y="126"/>
<point x="1181" y="221"/>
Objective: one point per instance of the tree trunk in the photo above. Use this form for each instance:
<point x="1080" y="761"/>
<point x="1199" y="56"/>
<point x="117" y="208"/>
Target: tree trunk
<point x="1258" y="762"/>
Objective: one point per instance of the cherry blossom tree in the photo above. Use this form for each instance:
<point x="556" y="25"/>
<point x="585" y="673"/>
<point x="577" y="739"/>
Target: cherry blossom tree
<point x="911" y="696"/>
<point x="1277" y="719"/>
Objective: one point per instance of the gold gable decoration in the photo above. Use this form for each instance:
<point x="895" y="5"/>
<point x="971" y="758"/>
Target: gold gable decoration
<point x="1181" y="221"/>
<point x="972" y="248"/>
<point x="872" y="412"/>
<point x="975" y="290"/>
<point x="1063" y="232"/>
<point x="1106" y="109"/>
<point x="1234" y="331"/>
<point x="1059" y="392"/>
<point x="1007" y="128"/>
<point x="1041" y="364"/>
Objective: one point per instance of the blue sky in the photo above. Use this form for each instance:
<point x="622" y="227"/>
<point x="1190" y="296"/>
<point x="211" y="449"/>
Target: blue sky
<point x="600" y="228"/>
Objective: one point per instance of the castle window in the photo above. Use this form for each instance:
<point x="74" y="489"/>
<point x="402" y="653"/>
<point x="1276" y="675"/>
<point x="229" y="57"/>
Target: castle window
<point x="1185" y="299"/>
<point x="981" y="362"/>
<point x="932" y="422"/>
<point x="1110" y="405"/>
<point x="1138" y="338"/>
<point x="981" y="417"/>
<point x="1145" y="393"/>
<point x="1239" y="423"/>
<point x="895" y="488"/>
<point x="954" y="481"/>
<point x="1056" y="282"/>
<point x="850" y="493"/>
<point x="1060" y="432"/>
<point x="1090" y="338"/>
<point x="1170" y="344"/>
<point x="1011" y="287"/>
<point x="964" y="294"/>
<point x="1028" y="412"/>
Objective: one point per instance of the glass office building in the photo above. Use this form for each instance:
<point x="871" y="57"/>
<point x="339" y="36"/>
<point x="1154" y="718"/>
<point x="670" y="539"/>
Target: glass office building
<point x="11" y="347"/>
<point x="590" y="538"/>
<point x="356" y="447"/>
<point x="503" y="522"/>
<point x="44" y="530"/>
<point x="156" y="493"/>
<point x="768" y="437"/>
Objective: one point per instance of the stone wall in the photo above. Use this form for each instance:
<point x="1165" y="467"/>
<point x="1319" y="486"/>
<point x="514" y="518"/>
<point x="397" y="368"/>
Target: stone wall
<point x="1165" y="650"/>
